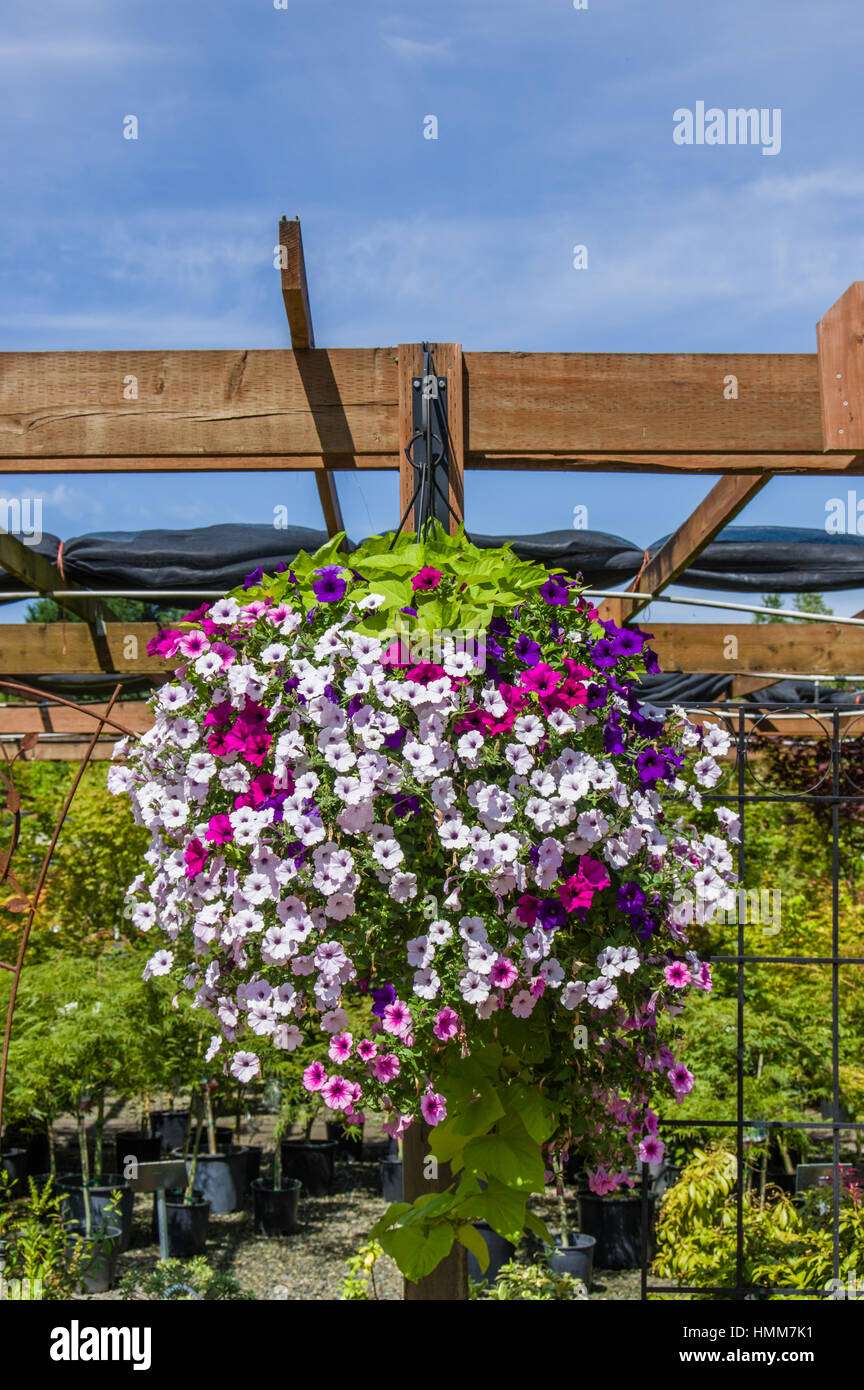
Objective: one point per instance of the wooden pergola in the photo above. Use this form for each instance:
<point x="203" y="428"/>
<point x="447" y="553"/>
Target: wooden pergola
<point x="745" y="416"/>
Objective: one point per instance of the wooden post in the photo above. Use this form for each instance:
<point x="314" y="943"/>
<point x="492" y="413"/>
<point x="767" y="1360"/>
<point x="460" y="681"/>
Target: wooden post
<point x="840" y="337"/>
<point x="449" y="1282"/>
<point x="447" y="358"/>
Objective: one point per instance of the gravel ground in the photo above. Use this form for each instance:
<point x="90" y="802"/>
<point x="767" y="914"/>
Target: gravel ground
<point x="310" y="1265"/>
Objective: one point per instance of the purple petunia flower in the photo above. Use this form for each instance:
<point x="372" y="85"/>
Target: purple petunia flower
<point x="527" y="651"/>
<point x="383" y="997"/>
<point x="252" y="580"/>
<point x="651" y="766"/>
<point x="556" y="590"/>
<point x="330" y="586"/>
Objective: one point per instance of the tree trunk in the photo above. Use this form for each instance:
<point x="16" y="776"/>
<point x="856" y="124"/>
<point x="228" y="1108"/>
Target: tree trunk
<point x="449" y="1282"/>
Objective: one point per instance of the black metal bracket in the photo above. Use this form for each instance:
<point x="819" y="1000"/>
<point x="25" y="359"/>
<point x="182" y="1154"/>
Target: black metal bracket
<point x="428" y="450"/>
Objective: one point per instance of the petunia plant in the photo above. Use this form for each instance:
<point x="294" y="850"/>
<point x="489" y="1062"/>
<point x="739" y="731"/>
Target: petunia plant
<point x="422" y="774"/>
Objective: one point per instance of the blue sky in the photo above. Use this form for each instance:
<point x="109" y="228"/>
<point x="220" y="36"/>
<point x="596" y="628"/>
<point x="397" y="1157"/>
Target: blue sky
<point x="555" y="128"/>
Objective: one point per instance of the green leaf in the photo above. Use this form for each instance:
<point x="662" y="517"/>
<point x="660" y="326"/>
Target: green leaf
<point x="539" y="1228"/>
<point x="417" y="1254"/>
<point x="392" y="1215"/>
<point x="481" y="1114"/>
<point x="500" y="1206"/>
<point x="471" y="1238"/>
<point x="512" y="1157"/>
<point x="535" y="1112"/>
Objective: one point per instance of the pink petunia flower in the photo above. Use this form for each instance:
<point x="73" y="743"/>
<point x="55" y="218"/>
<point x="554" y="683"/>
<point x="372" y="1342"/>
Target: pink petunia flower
<point x="427" y="578"/>
<point x="446" y="1024"/>
<point x="397" y="1018"/>
<point x="433" y="1108"/>
<point x="678" y="975"/>
<point x="315" y="1076"/>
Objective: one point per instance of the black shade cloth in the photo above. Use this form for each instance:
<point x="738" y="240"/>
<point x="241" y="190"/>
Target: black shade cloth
<point x="601" y="559"/>
<point x="208" y="557"/>
<point x="674" y="687"/>
<point x="771" y="559"/>
<point x="776" y="559"/>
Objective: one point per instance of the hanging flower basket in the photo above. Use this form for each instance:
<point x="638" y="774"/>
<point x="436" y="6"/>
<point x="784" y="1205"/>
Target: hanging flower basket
<point x="417" y="786"/>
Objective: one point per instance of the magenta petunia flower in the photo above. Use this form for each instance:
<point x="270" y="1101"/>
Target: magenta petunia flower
<point x="340" y="1047"/>
<point x="678" y="975"/>
<point x="219" y="830"/>
<point x="195" y="857"/>
<point x="427" y="578"/>
<point x="397" y="1018"/>
<point x="503" y="973"/>
<point x="446" y="1024"/>
<point x="386" y="1067"/>
<point x="433" y="1108"/>
<point x="337" y="1093"/>
<point x="367" y="1050"/>
<point x="651" y="1150"/>
<point x="682" y="1079"/>
<point x="315" y="1076"/>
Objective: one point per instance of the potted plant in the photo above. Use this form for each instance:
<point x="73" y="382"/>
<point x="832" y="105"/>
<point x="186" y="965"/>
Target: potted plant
<point x="573" y="1253"/>
<point x="436" y="759"/>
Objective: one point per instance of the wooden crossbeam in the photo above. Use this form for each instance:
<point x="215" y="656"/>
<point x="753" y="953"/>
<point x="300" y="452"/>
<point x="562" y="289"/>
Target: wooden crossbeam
<point x="726" y="499"/>
<point x="734" y="648"/>
<point x="35" y="570"/>
<point x="340" y="408"/>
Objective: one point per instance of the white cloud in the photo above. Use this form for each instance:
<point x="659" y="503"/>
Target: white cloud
<point x="416" y="48"/>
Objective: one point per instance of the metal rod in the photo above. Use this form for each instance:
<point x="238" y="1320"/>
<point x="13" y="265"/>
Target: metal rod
<point x="722" y="603"/>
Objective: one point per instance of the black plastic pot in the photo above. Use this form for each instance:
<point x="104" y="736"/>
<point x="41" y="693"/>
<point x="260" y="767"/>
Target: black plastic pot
<point x="187" y="1225"/>
<point x="500" y="1251"/>
<point x="254" y="1153"/>
<point x="71" y="1189"/>
<point x="313" y="1162"/>
<point x="131" y="1143"/>
<point x="98" y="1258"/>
<point x="391" y="1179"/>
<point x="276" y="1209"/>
<point x="169" y="1126"/>
<point x="221" y="1179"/>
<point x="351" y="1149"/>
<point x="36" y="1144"/>
<point x="576" y="1257"/>
<point x="616" y="1225"/>
<point x="14" y="1164"/>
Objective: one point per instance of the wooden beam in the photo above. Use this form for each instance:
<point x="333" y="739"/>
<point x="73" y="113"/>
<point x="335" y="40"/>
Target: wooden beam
<point x="672" y="464"/>
<point x="726" y="499"/>
<point x="58" y="719"/>
<point x="526" y="409"/>
<point x="38" y="649"/>
<point x="840" y="340"/>
<point x="720" y="648"/>
<point x="449" y="363"/>
<point x="824" y="649"/>
<point x="330" y="504"/>
<point x="547" y="402"/>
<point x="295" y="291"/>
<point x="197" y="405"/>
<point x="35" y="570"/>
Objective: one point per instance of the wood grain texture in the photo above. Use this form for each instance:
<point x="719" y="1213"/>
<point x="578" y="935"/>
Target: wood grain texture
<point x="645" y="403"/>
<point x="238" y="404"/>
<point x="295" y="291"/>
<point x="840" y="339"/>
<point x="563" y="409"/>
<point x="799" y="648"/>
<point x="726" y="499"/>
<point x="43" y="649"/>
